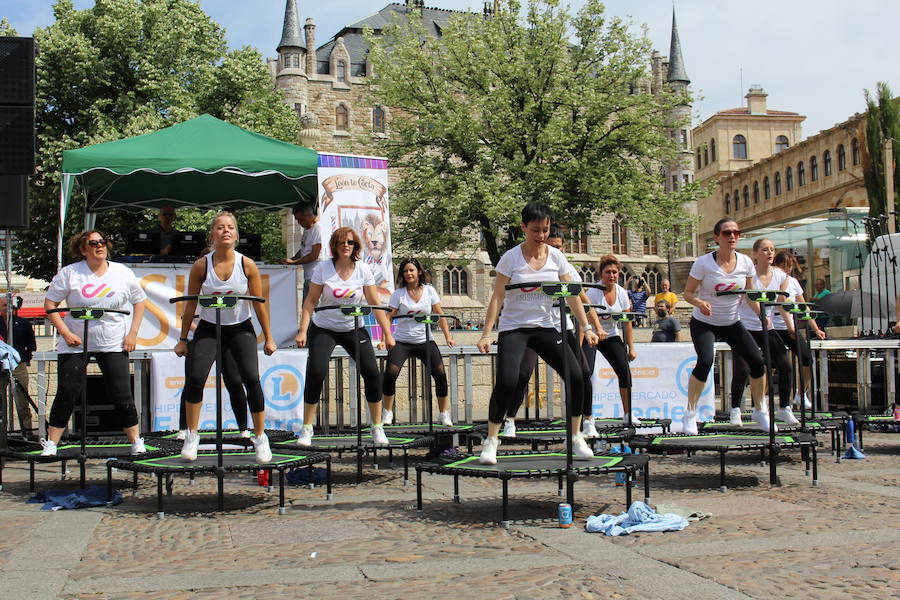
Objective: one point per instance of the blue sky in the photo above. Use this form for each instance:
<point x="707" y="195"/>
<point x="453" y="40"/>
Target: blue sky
<point x="812" y="56"/>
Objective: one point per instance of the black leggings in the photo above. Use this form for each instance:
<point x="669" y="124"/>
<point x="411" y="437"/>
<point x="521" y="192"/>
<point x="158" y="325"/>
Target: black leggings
<point x="802" y="352"/>
<point x="239" y="341"/>
<point x="116" y="380"/>
<point x="511" y="347"/>
<point x="397" y="356"/>
<point x="741" y="342"/>
<point x="237" y="396"/>
<point x="615" y="352"/>
<point x="780" y="362"/>
<point x="526" y="370"/>
<point x="322" y="343"/>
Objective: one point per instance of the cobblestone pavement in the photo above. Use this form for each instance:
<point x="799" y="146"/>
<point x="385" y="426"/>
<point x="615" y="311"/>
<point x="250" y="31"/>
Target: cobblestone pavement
<point x="837" y="540"/>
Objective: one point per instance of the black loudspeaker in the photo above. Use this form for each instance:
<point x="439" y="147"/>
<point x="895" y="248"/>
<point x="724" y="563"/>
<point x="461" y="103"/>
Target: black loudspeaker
<point x="101" y="415"/>
<point x="17" y="77"/>
<point x="13" y="202"/>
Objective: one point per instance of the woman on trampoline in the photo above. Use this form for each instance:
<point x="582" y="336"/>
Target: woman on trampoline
<point x="617" y="352"/>
<point x="224" y="271"/>
<point x="94" y="281"/>
<point x="342" y="280"/>
<point x="415" y="295"/>
<point x="787" y="262"/>
<point x="717" y="317"/>
<point x="527" y="321"/>
<point x="764" y="278"/>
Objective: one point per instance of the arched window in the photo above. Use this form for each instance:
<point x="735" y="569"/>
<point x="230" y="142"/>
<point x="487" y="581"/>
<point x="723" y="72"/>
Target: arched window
<point x="842" y="158"/>
<point x="727" y="203"/>
<point x="781" y="143"/>
<point x="813" y="168"/>
<point x="789" y="176"/>
<point x="619" y="237"/>
<point x="589" y="273"/>
<point x="705" y="156"/>
<point x="651" y="242"/>
<point x="341" y="118"/>
<point x="801" y="174"/>
<point x="699" y="164"/>
<point x="739" y="146"/>
<point x="854" y="151"/>
<point x="826" y="162"/>
<point x="712" y="150"/>
<point x="755" y="192"/>
<point x="746" y="197"/>
<point x="341" y="71"/>
<point x="652" y="276"/>
<point x="456" y="280"/>
<point x="767" y="192"/>
<point x="737" y="201"/>
<point x="378" y="120"/>
<point x="778" y="183"/>
<point x="624" y="274"/>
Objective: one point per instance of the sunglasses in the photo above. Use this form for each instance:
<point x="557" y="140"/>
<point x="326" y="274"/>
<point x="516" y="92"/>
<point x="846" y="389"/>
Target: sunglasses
<point x="347" y="243"/>
<point x="730" y="232"/>
<point x="97" y="243"/>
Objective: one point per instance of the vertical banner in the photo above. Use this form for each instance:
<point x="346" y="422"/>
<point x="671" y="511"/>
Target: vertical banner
<point x="282" y="376"/>
<point x="161" y="326"/>
<point x="659" y="385"/>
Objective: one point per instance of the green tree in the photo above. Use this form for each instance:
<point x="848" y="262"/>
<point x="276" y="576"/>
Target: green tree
<point x="503" y="111"/>
<point x="882" y="122"/>
<point x="127" y="67"/>
<point x="7" y="30"/>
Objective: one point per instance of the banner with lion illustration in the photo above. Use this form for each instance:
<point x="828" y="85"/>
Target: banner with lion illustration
<point x="353" y="192"/>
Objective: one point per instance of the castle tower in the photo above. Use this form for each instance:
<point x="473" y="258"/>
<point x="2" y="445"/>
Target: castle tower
<point x="292" y="66"/>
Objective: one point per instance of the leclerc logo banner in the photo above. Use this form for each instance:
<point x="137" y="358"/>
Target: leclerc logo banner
<point x="659" y="385"/>
<point x="282" y="376"/>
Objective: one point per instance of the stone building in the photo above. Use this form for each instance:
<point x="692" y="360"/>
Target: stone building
<point x="327" y="86"/>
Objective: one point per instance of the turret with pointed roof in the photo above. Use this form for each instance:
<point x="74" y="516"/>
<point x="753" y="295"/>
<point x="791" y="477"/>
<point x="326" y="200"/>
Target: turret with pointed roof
<point x="676" y="61"/>
<point x="290" y="32"/>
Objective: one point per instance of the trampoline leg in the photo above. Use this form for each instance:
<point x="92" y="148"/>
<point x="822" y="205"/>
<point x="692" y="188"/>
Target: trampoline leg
<point x="419" y="510"/>
<point x="109" y="490"/>
<point x="504" y="515"/>
<point x="31" y="476"/>
<point x="390" y="457"/>
<point x="815" y="467"/>
<point x="804" y="453"/>
<point x="647" y="483"/>
<point x="159" y="496"/>
<point x="191" y="480"/>
<point x="559" y="484"/>
<point x="220" y="477"/>
<point x="281" y="509"/>
<point x="82" y="471"/>
<point x="722" y="487"/>
<point x="374" y="458"/>
<point x="271" y="487"/>
<point x="311" y="473"/>
<point x="134" y="484"/>
<point x="762" y="457"/>
<point x="405" y="467"/>
<point x="62" y="467"/>
<point x="628" y="475"/>
<point x="456" y="489"/>
<point x="2" y="464"/>
<point x="170" y="479"/>
<point x="328" y="478"/>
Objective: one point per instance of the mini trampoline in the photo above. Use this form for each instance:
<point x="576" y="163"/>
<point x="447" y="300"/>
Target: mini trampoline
<point x="816" y="415"/>
<point x="724" y="443"/>
<point x="547" y="435"/>
<point x="339" y="443"/>
<point x="229" y="436"/>
<point x="70" y="449"/>
<point x="875" y="422"/>
<point x="533" y="465"/>
<point x="232" y="461"/>
<point x="834" y="427"/>
<point x="611" y="423"/>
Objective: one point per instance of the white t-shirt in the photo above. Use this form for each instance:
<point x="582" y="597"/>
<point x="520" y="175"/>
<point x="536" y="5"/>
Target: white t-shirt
<point x="310" y="238"/>
<point x="570" y="325"/>
<point x="530" y="307"/>
<point x="622" y="304"/>
<point x="337" y="291"/>
<point x="236" y="284"/>
<point x="794" y="289"/>
<point x="117" y="288"/>
<point x="713" y="279"/>
<point x="408" y="330"/>
<point x="749" y="318"/>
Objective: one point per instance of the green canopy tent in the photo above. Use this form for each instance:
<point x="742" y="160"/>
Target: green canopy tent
<point x="201" y="162"/>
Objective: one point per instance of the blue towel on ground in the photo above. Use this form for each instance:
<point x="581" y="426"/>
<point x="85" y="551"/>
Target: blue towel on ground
<point x="301" y="476"/>
<point x="94" y="495"/>
<point x="639" y="517"/>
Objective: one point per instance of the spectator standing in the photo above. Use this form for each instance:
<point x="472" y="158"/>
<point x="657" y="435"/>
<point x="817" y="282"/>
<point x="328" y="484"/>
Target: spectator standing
<point x="638" y="293"/>
<point x="310" y="244"/>
<point x="821" y="292"/>
<point x="667" y="328"/>
<point x="666" y="294"/>
<point x="24" y="343"/>
<point x="166" y="229"/>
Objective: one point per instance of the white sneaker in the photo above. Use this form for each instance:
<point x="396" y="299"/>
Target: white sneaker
<point x="445" y="419"/>
<point x="634" y="420"/>
<point x="137" y="447"/>
<point x="509" y="429"/>
<point x="378" y="436"/>
<point x="261" y="446"/>
<point x="305" y="437"/>
<point x="580" y="449"/>
<point x="190" y="446"/>
<point x="387" y="417"/>
<point x="246" y="434"/>
<point x="49" y="447"/>
<point x="805" y="399"/>
<point x="589" y="428"/>
<point x="735" y="417"/>
<point x="689" y="422"/>
<point x="786" y="415"/>
<point x="488" y="454"/>
<point x="182" y="433"/>
<point x="761" y="418"/>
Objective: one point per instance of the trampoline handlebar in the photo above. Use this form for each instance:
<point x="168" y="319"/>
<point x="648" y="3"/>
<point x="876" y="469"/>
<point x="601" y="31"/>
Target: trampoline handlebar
<point x="90" y="308"/>
<point x="198" y="296"/>
<point x="339" y="306"/>
<point x="537" y="284"/>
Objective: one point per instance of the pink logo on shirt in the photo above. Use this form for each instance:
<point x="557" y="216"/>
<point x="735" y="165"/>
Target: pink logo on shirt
<point x="90" y="290"/>
<point x="343" y="293"/>
<point x="527" y="290"/>
<point x="724" y="287"/>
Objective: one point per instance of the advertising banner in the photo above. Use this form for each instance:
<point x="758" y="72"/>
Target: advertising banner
<point x="282" y="376"/>
<point x="660" y="383"/>
<point x="161" y="326"/>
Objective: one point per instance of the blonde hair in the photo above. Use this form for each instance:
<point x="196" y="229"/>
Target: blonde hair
<point x="222" y="213"/>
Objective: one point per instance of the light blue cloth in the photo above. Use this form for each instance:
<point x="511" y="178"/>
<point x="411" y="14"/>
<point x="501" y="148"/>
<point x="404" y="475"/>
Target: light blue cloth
<point x="639" y="517"/>
<point x="9" y="357"/>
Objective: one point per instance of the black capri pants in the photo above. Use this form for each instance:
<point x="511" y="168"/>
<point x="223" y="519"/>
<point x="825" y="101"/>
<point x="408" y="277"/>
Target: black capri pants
<point x="397" y="356"/>
<point x="735" y="335"/>
<point x="801" y="351"/>
<point x="511" y="347"/>
<point x="321" y="344"/>
<point x="231" y="378"/>
<point x="780" y="361"/>
<point x="239" y="341"/>
<point x="615" y="352"/>
<point x="116" y="380"/>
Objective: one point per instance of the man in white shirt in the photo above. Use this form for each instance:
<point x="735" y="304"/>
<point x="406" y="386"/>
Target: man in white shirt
<point x="310" y="243"/>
